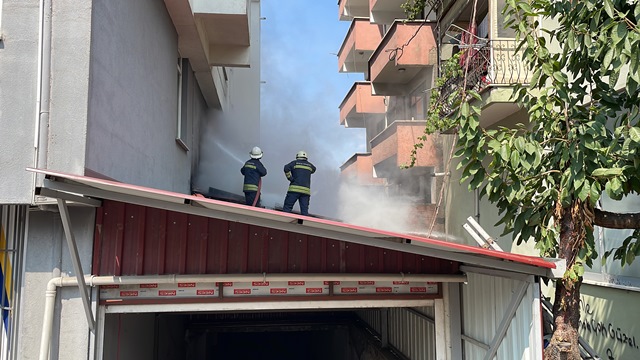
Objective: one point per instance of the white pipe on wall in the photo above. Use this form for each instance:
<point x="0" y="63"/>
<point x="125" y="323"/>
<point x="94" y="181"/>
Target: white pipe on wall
<point x="1" y="37"/>
<point x="53" y="284"/>
<point x="43" y="82"/>
<point x="38" y="79"/>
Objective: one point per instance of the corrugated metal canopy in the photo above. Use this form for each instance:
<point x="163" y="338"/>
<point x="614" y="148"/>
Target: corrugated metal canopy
<point x="89" y="187"/>
<point x="134" y="240"/>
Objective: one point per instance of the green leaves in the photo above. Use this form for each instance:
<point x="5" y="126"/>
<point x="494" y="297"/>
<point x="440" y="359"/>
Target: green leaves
<point x="413" y="8"/>
<point x="634" y="134"/>
<point x="627" y="252"/>
<point x="582" y="134"/>
<point x="606" y="173"/>
<point x="608" y="7"/>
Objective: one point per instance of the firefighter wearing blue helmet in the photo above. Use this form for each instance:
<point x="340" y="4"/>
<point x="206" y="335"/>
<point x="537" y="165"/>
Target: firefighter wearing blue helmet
<point x="253" y="171"/>
<point x="298" y="172"/>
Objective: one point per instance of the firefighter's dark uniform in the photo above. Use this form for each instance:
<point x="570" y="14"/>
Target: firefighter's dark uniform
<point x="252" y="170"/>
<point x="299" y="174"/>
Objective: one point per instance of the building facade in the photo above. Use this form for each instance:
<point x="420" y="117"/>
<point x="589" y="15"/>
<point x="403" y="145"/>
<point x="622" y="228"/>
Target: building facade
<point x="375" y="38"/>
<point x="397" y="59"/>
<point x="116" y="90"/>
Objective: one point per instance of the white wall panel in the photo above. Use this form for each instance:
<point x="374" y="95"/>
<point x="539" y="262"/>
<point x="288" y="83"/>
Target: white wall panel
<point x="485" y="300"/>
<point x="408" y="332"/>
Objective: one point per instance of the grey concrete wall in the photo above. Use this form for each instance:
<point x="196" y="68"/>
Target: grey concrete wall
<point x="18" y="64"/>
<point x="64" y="144"/>
<point x="132" y="118"/>
<point x="70" y="46"/>
<point x="47" y="256"/>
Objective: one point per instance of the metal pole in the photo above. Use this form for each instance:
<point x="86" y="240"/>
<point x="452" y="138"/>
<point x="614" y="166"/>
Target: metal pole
<point x="75" y="259"/>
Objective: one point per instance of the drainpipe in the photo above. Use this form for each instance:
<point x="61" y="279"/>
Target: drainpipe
<point x="43" y="82"/>
<point x="91" y="280"/>
<point x="1" y="37"/>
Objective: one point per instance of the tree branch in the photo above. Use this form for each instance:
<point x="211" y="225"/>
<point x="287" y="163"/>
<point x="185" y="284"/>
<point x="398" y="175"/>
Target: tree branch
<point x="612" y="220"/>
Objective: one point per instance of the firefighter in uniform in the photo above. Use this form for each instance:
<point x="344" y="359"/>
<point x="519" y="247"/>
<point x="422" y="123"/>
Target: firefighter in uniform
<point x="253" y="171"/>
<point x="298" y="172"/>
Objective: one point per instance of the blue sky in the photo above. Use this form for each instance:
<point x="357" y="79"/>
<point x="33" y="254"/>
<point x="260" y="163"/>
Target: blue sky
<point x="302" y="91"/>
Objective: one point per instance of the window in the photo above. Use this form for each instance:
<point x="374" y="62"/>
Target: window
<point x="184" y="71"/>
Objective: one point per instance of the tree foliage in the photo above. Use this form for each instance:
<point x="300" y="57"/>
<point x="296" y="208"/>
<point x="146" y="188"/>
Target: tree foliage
<point x="582" y="138"/>
<point x="583" y="134"/>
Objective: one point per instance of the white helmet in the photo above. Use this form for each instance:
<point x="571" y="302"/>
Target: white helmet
<point x="256" y="153"/>
<point x="301" y="155"/>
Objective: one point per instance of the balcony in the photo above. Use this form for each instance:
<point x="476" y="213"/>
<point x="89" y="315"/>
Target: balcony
<point x="494" y="67"/>
<point x="214" y="34"/>
<point x="219" y="31"/>
<point x="349" y="9"/>
<point x="359" y="106"/>
<point x="406" y="50"/>
<point x="386" y="11"/>
<point x="362" y="39"/>
<point x="359" y="170"/>
<point x="224" y="29"/>
<point x="393" y="146"/>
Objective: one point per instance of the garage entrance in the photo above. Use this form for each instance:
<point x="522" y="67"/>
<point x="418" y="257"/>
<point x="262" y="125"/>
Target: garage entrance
<point x="338" y="335"/>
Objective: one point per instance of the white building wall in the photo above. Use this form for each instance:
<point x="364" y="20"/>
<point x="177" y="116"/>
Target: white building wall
<point x="485" y="301"/>
<point x="18" y="64"/>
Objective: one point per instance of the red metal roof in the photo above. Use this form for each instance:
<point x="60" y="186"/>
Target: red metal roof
<point x="293" y="223"/>
<point x="139" y="240"/>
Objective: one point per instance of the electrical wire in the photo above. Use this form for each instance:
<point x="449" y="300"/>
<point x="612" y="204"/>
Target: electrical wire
<point x="393" y="53"/>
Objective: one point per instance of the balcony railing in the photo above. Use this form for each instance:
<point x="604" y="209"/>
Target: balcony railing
<point x="489" y="63"/>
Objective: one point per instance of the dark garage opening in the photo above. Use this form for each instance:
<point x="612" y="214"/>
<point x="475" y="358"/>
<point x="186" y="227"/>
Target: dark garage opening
<point x="335" y="335"/>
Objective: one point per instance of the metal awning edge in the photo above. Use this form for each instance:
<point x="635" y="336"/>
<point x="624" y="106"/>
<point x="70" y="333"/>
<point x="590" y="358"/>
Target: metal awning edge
<point x="113" y="190"/>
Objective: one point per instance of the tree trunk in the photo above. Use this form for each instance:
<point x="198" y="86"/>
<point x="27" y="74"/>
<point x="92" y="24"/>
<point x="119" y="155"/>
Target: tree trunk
<point x="566" y="305"/>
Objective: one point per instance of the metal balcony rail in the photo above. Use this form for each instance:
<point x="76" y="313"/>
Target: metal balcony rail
<point x="488" y="63"/>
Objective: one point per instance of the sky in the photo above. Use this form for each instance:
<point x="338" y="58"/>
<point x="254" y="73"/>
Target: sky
<point x="300" y="95"/>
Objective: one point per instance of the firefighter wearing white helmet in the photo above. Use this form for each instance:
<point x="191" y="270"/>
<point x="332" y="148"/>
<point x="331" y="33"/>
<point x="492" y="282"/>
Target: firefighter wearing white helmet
<point x="253" y="171"/>
<point x="256" y="153"/>
<point x="298" y="172"/>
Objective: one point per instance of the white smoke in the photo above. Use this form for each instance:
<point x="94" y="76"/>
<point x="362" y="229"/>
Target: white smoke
<point x="224" y="149"/>
<point x="369" y="206"/>
<point x="300" y="96"/>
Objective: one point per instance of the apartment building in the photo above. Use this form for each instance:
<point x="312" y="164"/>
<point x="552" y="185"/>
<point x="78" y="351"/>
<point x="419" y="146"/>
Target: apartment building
<point x="397" y="59"/>
<point x="375" y="35"/>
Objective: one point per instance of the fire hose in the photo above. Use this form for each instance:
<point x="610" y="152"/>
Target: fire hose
<point x="255" y="201"/>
